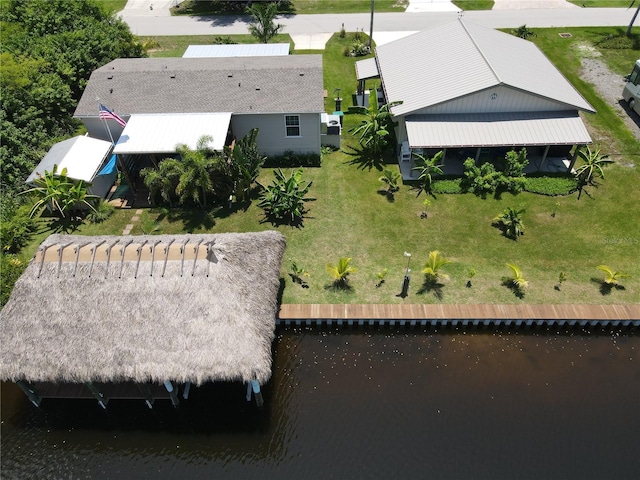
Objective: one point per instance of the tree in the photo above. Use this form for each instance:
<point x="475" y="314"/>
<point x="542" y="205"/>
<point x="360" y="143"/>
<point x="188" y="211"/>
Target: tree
<point x="244" y="162"/>
<point x="162" y="181"/>
<point x="611" y="277"/>
<point x="592" y="166"/>
<point x="195" y="181"/>
<point x="433" y="265"/>
<point x="262" y="26"/>
<point x="390" y="178"/>
<point x="340" y="272"/>
<point x="523" y="32"/>
<point x="58" y="194"/>
<point x="426" y="168"/>
<point x="633" y="19"/>
<point x="510" y="220"/>
<point x="377" y="129"/>
<point x="284" y="200"/>
<point x="517" y="280"/>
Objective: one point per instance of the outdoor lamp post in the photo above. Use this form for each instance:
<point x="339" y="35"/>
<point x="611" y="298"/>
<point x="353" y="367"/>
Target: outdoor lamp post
<point x="405" y="281"/>
<point x="338" y="100"/>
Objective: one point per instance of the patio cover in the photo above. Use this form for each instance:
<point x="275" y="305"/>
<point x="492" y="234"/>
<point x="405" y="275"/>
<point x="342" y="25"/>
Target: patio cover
<point x="496" y="129"/>
<point x="160" y="133"/>
<point x="81" y="156"/>
<point x="366" y="69"/>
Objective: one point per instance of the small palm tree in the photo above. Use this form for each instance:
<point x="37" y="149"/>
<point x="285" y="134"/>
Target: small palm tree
<point x="376" y="131"/>
<point x="195" y="180"/>
<point x="340" y="272"/>
<point x="611" y="276"/>
<point x="381" y="276"/>
<point x="511" y="222"/>
<point x="433" y="265"/>
<point x="391" y="179"/>
<point x="426" y="168"/>
<point x="592" y="165"/>
<point x="262" y="24"/>
<point x="562" y="277"/>
<point x="516" y="280"/>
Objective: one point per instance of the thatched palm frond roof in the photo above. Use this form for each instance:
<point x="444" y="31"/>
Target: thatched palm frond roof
<point x="184" y="308"/>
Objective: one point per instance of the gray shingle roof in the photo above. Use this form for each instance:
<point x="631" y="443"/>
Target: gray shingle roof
<point x="460" y="58"/>
<point x="280" y="84"/>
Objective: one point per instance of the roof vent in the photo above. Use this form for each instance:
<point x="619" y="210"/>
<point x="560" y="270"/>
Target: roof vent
<point x="230" y="75"/>
<point x="258" y="89"/>
<point x="109" y="77"/>
<point x="173" y="75"/>
<point x="302" y="74"/>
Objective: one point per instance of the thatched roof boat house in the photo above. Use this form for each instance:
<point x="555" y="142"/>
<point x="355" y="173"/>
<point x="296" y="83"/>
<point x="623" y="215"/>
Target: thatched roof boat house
<point x="148" y="310"/>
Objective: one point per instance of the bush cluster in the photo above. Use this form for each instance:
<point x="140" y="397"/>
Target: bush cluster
<point x="447" y="185"/>
<point x="551" y="184"/>
<point x="291" y="159"/>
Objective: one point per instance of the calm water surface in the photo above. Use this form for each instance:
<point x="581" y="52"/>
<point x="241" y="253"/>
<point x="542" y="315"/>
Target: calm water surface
<point x="365" y="404"/>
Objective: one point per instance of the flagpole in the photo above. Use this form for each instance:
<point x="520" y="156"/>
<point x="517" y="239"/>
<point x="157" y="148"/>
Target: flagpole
<point x="107" y="127"/>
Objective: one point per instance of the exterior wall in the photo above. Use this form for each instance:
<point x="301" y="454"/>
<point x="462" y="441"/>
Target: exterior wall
<point x="97" y="128"/>
<point x="497" y="99"/>
<point x="272" y="139"/>
<point x="102" y="184"/>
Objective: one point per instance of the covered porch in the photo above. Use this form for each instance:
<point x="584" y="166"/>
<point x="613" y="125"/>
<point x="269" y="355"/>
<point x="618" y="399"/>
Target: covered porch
<point x="550" y="139"/>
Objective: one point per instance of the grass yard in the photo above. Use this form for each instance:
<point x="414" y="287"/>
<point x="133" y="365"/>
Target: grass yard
<point x="175" y="46"/>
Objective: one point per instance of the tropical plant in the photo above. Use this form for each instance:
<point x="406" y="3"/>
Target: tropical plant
<point x="376" y="131"/>
<point x="523" y="32"/>
<point x="611" y="277"/>
<point x="195" y="181"/>
<point x="425" y="203"/>
<point x="163" y="181"/>
<point x="58" y="194"/>
<point x="390" y="178"/>
<point x="471" y="273"/>
<point x="16" y="225"/>
<point x="101" y="212"/>
<point x="426" y="168"/>
<point x="284" y="200"/>
<point x="481" y="180"/>
<point x="381" y="275"/>
<point x="262" y="24"/>
<point x="432" y="267"/>
<point x="516" y="281"/>
<point x="297" y="274"/>
<point x="562" y="277"/>
<point x="592" y="165"/>
<point x="514" y="163"/>
<point x="510" y="221"/>
<point x="340" y="272"/>
<point x="244" y="161"/>
<point x="358" y="49"/>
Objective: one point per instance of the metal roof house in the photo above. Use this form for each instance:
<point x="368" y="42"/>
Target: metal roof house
<point x="282" y="96"/>
<point x="476" y="92"/>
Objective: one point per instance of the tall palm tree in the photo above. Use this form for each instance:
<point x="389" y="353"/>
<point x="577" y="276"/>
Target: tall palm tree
<point x="195" y="181"/>
<point x="262" y="25"/>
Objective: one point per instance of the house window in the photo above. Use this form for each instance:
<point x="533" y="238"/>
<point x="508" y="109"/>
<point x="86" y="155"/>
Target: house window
<point x="292" y="125"/>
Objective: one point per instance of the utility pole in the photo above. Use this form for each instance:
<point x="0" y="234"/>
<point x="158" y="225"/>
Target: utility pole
<point x="371" y="26"/>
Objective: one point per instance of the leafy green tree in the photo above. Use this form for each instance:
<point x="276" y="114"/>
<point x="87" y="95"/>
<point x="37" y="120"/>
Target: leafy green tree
<point x="262" y="24"/>
<point x="340" y="272"/>
<point x="16" y="225"/>
<point x="163" y="181"/>
<point x="376" y="131"/>
<point x="195" y="181"/>
<point x="481" y="180"/>
<point x="284" y="200"/>
<point x="515" y="162"/>
<point x="432" y="268"/>
<point x="592" y="165"/>
<point x="510" y="220"/>
<point x="426" y="168"/>
<point x="391" y="179"/>
<point x="244" y="163"/>
<point x="611" y="277"/>
<point x="58" y="194"/>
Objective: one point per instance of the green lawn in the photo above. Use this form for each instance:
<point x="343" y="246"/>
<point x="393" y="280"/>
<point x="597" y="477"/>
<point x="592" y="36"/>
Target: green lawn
<point x="175" y="46"/>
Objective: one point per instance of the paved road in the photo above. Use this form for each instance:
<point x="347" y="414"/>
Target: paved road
<point x="383" y="22"/>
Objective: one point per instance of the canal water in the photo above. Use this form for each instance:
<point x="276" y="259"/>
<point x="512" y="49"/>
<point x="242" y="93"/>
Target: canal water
<point x="365" y="403"/>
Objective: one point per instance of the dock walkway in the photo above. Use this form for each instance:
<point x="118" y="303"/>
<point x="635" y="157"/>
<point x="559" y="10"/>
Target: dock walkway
<point x="462" y="315"/>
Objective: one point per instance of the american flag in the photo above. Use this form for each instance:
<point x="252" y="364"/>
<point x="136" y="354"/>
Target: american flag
<point x="106" y="114"/>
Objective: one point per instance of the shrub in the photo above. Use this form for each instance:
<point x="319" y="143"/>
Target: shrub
<point x="11" y="267"/>
<point x="481" y="180"/>
<point x="283" y="201"/>
<point x="290" y="159"/>
<point x="447" y="185"/>
<point x="358" y="49"/>
<point x="103" y="210"/>
<point x="219" y="40"/>
<point x="16" y="225"/>
<point x="551" y="184"/>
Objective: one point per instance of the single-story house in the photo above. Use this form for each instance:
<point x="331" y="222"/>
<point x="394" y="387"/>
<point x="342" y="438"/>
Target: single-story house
<point x="282" y="96"/>
<point x="473" y="91"/>
<point x="85" y="158"/>
<point x="91" y="312"/>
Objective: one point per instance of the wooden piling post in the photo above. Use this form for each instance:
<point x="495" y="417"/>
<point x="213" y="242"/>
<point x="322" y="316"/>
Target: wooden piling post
<point x="30" y="392"/>
<point x="255" y="385"/>
<point x="96" y="393"/>
<point x="173" y="394"/>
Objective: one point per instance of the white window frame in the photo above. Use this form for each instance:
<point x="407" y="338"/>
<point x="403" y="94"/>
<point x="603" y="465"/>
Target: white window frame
<point x="288" y="126"/>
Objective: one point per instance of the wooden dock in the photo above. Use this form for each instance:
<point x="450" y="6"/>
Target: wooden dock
<point x="459" y="315"/>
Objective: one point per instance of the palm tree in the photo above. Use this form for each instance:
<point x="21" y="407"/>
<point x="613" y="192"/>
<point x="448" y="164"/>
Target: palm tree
<point x="592" y="165"/>
<point x="611" y="276"/>
<point x="377" y="129"/>
<point x="244" y="162"/>
<point x="195" y="180"/>
<point x="633" y="19"/>
<point x="426" y="168"/>
<point x="511" y="222"/>
<point x="162" y="181"/>
<point x="516" y="280"/>
<point x="433" y="265"/>
<point x="391" y="179"/>
<point x="262" y="26"/>
<point x="340" y="272"/>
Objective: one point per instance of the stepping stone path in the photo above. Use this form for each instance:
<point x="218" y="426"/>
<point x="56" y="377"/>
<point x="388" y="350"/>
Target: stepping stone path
<point x="129" y="226"/>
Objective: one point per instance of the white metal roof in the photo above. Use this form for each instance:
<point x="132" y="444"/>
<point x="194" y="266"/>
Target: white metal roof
<point x="239" y="50"/>
<point x="460" y="58"/>
<point x="81" y="156"/>
<point x="160" y="133"/>
<point x="367" y="69"/>
<point x="493" y="129"/>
